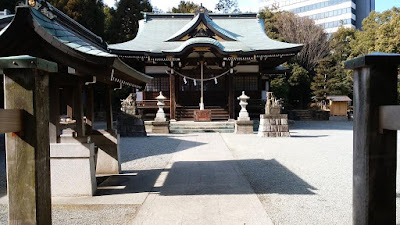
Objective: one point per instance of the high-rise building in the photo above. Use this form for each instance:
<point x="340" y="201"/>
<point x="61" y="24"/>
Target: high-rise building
<point x="330" y="14"/>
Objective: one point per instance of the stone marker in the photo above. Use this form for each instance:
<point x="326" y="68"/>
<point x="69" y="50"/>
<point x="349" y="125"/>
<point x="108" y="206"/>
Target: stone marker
<point x="273" y="123"/>
<point x="243" y="125"/>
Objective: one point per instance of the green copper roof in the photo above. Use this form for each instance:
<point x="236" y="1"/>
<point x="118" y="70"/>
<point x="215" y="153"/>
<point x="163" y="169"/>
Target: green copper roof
<point x="67" y="37"/>
<point x="65" y="42"/>
<point x="245" y="33"/>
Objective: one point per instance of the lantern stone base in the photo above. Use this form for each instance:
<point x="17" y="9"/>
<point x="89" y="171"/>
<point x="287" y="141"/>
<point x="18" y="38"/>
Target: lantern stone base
<point x="160" y="127"/>
<point x="274" y="126"/>
<point x="244" y="127"/>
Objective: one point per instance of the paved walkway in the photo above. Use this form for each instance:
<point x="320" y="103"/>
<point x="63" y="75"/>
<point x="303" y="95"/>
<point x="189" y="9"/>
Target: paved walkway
<point x="202" y="184"/>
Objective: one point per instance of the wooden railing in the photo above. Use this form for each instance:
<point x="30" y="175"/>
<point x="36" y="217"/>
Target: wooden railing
<point x="151" y="103"/>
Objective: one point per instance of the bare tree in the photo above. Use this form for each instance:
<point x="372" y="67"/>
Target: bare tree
<point x="294" y="29"/>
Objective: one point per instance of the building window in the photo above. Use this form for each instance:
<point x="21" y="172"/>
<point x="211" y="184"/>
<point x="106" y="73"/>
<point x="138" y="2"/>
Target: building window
<point x="159" y="83"/>
<point x="246" y="83"/>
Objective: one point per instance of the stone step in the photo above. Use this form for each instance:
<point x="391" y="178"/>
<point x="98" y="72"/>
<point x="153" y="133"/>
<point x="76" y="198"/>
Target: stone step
<point x="193" y="127"/>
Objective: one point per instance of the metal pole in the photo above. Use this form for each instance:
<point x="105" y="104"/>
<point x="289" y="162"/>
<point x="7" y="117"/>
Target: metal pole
<point x="202" y="95"/>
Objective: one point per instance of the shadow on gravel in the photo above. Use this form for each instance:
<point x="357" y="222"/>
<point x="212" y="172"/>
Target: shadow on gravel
<point x="129" y="182"/>
<point x="152" y="146"/>
<point x="210" y="178"/>
<point x="222" y="177"/>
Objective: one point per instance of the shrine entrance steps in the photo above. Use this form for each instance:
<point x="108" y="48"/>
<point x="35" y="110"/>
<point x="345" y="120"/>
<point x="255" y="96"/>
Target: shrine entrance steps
<point x="185" y="113"/>
<point x="184" y="127"/>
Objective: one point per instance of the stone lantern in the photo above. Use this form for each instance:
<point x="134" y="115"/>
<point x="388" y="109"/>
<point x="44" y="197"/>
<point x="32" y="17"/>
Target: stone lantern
<point x="160" y="116"/>
<point x="243" y="125"/>
<point x="243" y="114"/>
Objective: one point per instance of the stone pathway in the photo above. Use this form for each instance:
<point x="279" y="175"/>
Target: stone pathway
<point x="202" y="184"/>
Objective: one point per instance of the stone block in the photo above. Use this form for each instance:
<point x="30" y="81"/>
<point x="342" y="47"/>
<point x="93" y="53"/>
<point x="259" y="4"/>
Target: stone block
<point x="72" y="169"/>
<point x="160" y="127"/>
<point x="108" y="155"/>
<point x="244" y="127"/>
<point x="273" y="126"/>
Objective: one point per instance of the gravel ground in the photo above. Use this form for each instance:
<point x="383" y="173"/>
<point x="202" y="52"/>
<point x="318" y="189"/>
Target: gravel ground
<point x="148" y="154"/>
<point x="305" y="179"/>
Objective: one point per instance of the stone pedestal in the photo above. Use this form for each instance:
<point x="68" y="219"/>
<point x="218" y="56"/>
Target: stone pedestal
<point x="107" y="157"/>
<point x="202" y="115"/>
<point x="274" y="126"/>
<point x="72" y="169"/>
<point x="131" y="126"/>
<point x="244" y="127"/>
<point x="160" y="127"/>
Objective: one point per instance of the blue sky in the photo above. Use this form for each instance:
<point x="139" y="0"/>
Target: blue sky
<point x="382" y="5"/>
<point x="248" y="5"/>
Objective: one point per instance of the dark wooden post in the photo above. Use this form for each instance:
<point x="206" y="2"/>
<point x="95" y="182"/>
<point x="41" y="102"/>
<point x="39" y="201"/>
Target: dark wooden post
<point x="78" y="109"/>
<point x="108" y="108"/>
<point x="26" y="86"/>
<point x="54" y="126"/>
<point x="172" y="106"/>
<point x="231" y="97"/>
<point x="374" y="152"/>
<point x="89" y="109"/>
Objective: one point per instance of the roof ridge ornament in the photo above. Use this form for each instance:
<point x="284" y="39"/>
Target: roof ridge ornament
<point x="201" y="10"/>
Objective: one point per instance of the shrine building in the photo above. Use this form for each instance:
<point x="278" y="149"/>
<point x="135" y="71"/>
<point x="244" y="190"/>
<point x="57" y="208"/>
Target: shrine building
<point x="204" y="61"/>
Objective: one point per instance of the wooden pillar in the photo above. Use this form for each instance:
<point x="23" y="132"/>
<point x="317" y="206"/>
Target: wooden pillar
<point x="89" y="109"/>
<point x="108" y="108"/>
<point x="78" y="109"/>
<point x="172" y="106"/>
<point x="69" y="100"/>
<point x="231" y="97"/>
<point x="28" y="152"/>
<point x="54" y="125"/>
<point x="374" y="153"/>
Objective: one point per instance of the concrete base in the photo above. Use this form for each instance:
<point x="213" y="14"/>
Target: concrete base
<point x="107" y="157"/>
<point x="72" y="169"/>
<point x="273" y="126"/>
<point x="244" y="127"/>
<point x="160" y="127"/>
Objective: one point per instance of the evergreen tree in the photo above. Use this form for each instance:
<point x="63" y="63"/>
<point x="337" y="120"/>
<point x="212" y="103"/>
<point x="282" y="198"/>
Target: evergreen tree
<point x="124" y="21"/>
<point x="299" y="89"/>
<point x="280" y="87"/>
<point x="88" y="13"/>
<point x="185" y="7"/>
<point x="319" y="84"/>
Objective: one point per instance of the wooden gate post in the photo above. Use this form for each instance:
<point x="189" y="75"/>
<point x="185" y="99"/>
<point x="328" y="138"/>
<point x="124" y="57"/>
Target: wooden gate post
<point x="26" y="87"/>
<point x="374" y="151"/>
